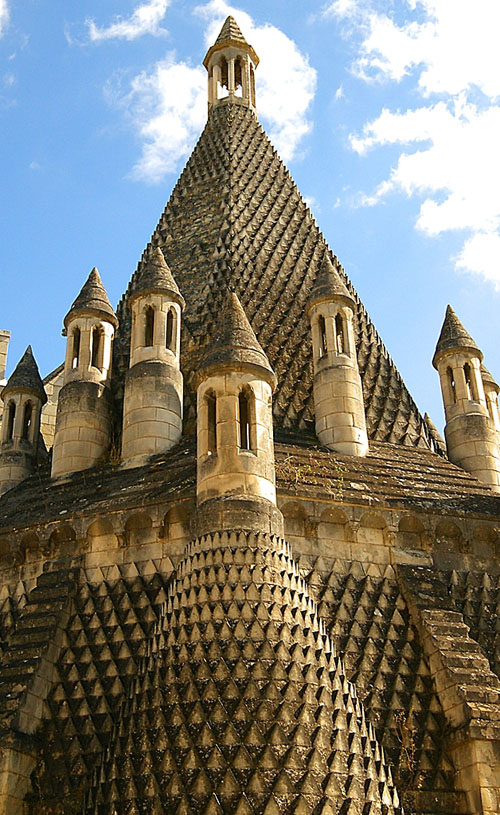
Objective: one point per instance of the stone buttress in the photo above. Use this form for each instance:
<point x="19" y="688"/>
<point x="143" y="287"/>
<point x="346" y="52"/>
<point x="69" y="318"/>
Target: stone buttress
<point x="152" y="405"/>
<point x="471" y="435"/>
<point x="23" y="397"/>
<point x="84" y="410"/>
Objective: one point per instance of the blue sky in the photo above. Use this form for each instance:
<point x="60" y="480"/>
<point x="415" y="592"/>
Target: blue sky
<point x="387" y="114"/>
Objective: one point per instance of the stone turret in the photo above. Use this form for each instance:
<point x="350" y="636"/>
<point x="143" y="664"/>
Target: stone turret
<point x="236" y="476"/>
<point x="470" y="433"/>
<point x="152" y="406"/>
<point x="491" y="391"/>
<point x="23" y="397"/>
<point x="338" y="392"/>
<point x="84" y="410"/>
<point x="231" y="64"/>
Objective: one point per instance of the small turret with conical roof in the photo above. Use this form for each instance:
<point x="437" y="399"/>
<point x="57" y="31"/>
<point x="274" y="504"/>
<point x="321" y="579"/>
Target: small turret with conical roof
<point x="83" y="422"/>
<point x="470" y="432"/>
<point x="491" y="391"/>
<point x="23" y="397"/>
<point x="152" y="405"/>
<point x="338" y="393"/>
<point x="231" y="64"/>
<point x="236" y="476"/>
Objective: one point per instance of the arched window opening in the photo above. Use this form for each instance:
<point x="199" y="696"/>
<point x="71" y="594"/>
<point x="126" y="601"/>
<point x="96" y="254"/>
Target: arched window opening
<point x="75" y="353"/>
<point x="27" y="421"/>
<point x="238" y="77"/>
<point x="149" y="326"/>
<point x="211" y="404"/>
<point x="171" y="332"/>
<point x="469" y="383"/>
<point x="224" y="73"/>
<point x="11" y="415"/>
<point x="244" y="421"/>
<point x="252" y="85"/>
<point x="493" y="407"/>
<point x="340" y="338"/>
<point x="451" y="384"/>
<point x="97" y="350"/>
<point x="322" y="336"/>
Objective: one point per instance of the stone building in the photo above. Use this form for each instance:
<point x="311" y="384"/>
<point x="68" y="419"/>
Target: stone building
<point x="251" y="578"/>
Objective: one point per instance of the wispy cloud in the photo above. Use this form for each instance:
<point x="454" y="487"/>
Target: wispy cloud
<point x="449" y="141"/>
<point x="145" y="19"/>
<point x="4" y="16"/>
<point x="168" y="105"/>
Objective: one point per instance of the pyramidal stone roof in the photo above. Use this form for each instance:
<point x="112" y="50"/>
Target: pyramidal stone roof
<point x="92" y="300"/>
<point x="234" y="342"/>
<point x="26" y="377"/>
<point x="236" y="220"/>
<point x="230" y="31"/>
<point x="156" y="276"/>
<point x="454" y="337"/>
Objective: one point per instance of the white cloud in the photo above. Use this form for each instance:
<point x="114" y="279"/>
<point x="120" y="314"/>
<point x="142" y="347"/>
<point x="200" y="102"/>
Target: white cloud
<point x="447" y="149"/>
<point x="145" y="19"/>
<point x="168" y="107"/>
<point x="169" y="104"/>
<point x="286" y="82"/>
<point x="4" y="16"/>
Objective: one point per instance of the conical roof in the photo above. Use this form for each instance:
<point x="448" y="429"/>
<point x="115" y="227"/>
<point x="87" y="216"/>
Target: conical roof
<point x="454" y="337"/>
<point x="329" y="286"/>
<point x="156" y="277"/>
<point x="243" y="707"/>
<point x="230" y="35"/>
<point x="230" y="31"/>
<point x="488" y="378"/>
<point x="236" y="220"/>
<point x="435" y="433"/>
<point x="234" y="343"/>
<point x="92" y="300"/>
<point x="26" y="377"/>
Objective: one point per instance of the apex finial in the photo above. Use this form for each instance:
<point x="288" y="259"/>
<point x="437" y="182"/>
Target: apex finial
<point x="231" y="64"/>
